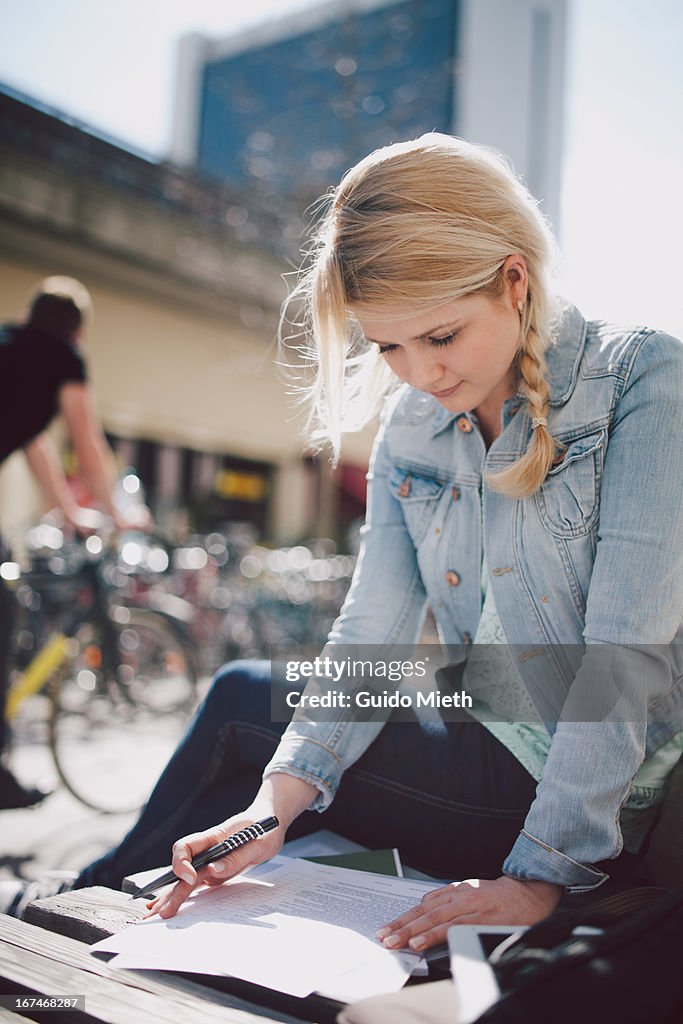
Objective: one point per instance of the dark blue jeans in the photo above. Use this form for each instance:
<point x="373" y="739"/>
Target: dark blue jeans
<point x="447" y="794"/>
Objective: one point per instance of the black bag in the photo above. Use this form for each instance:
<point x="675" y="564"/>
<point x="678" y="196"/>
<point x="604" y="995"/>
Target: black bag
<point x="630" y="974"/>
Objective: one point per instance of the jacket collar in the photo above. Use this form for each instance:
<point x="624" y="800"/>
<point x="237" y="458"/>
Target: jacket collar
<point x="563" y="357"/>
<point x="564" y="354"/>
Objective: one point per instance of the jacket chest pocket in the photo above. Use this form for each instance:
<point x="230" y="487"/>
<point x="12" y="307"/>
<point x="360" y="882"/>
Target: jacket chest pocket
<point x="568" y="500"/>
<point x="418" y="496"/>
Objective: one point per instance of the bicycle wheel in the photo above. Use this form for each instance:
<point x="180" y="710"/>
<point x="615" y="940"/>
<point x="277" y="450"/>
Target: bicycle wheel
<point x="112" y="733"/>
<point x="157" y="665"/>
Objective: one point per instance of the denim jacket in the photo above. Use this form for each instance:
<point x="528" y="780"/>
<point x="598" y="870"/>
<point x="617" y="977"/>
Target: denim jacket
<point x="591" y="563"/>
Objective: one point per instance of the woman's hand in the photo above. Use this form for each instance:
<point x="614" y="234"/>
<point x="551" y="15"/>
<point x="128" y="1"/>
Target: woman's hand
<point x="476" y="901"/>
<point x="283" y="795"/>
<point x="218" y="871"/>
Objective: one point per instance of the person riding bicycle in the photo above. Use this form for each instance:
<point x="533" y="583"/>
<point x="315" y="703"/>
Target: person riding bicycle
<point x="44" y="374"/>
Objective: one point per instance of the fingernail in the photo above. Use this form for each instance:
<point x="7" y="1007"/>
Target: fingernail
<point x="215" y="869"/>
<point x="187" y="876"/>
<point x="383" y="932"/>
<point x="418" y="942"/>
<point x="392" y="940"/>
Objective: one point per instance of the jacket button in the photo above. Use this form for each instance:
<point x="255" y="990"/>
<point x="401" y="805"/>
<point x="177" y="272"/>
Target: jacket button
<point x="455" y="491"/>
<point x="404" y="488"/>
<point x="464" y="424"/>
<point x="452" y="578"/>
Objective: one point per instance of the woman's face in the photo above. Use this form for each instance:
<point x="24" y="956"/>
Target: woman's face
<point x="462" y="352"/>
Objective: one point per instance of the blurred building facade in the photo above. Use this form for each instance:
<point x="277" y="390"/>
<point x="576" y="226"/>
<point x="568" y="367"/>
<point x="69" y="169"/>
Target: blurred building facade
<point x="185" y="258"/>
<point x="181" y="351"/>
<point x="292" y="104"/>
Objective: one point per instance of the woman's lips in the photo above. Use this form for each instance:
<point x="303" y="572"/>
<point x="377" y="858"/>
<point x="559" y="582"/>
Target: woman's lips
<point x="448" y="391"/>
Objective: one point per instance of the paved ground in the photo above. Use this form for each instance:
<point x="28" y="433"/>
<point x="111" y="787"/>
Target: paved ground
<point x="59" y="833"/>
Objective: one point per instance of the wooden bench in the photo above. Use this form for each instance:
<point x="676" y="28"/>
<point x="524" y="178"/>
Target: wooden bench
<point x="45" y="955"/>
<point x="35" y="962"/>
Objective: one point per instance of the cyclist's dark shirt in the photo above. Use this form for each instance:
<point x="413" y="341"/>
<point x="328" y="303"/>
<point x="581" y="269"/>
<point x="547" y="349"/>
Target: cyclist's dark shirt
<point x="33" y="367"/>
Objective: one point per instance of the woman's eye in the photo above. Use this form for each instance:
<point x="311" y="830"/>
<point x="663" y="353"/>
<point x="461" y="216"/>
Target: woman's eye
<point x="446" y="339"/>
<point x="436" y="342"/>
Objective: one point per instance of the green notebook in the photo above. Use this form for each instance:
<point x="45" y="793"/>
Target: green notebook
<point x="380" y="862"/>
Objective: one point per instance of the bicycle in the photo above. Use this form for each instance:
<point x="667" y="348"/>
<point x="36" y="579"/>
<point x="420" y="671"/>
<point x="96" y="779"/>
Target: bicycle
<point x="250" y="601"/>
<point x="116" y="678"/>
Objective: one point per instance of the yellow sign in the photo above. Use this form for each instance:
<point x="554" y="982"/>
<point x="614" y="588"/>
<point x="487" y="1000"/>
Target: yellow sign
<point x="241" y="486"/>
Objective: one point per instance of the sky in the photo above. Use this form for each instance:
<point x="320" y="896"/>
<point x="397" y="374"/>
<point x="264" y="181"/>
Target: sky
<point x="111" y="65"/>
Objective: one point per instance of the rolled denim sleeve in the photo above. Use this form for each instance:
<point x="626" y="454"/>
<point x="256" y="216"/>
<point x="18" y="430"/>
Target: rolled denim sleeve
<point x="631" y="665"/>
<point x="385" y="605"/>
<point x="533" y="859"/>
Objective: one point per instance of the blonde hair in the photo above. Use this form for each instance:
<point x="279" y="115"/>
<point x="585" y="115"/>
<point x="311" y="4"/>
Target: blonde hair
<point x="414" y="225"/>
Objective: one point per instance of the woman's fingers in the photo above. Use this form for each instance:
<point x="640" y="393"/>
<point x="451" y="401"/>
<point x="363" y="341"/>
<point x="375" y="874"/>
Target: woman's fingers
<point x="429" y="909"/>
<point x="426" y="924"/>
<point x="172" y="898"/>
<point x="488" y="901"/>
<point x="428" y="936"/>
<point x="169" y="901"/>
<point x="188" y="847"/>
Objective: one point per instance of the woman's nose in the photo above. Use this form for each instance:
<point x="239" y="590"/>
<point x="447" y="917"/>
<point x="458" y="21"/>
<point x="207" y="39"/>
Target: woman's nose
<point x="425" y="371"/>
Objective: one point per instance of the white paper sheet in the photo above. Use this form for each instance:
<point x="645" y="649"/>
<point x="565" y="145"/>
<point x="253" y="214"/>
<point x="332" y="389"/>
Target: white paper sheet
<point x="381" y="975"/>
<point x="299" y="927"/>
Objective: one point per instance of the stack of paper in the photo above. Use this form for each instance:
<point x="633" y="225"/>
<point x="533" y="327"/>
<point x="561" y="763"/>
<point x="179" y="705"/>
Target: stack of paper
<point x="290" y="925"/>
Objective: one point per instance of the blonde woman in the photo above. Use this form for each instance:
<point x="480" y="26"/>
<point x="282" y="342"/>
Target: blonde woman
<point x="526" y="484"/>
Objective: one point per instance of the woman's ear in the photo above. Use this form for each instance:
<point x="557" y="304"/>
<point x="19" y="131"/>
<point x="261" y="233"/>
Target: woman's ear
<point x="516" y="279"/>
